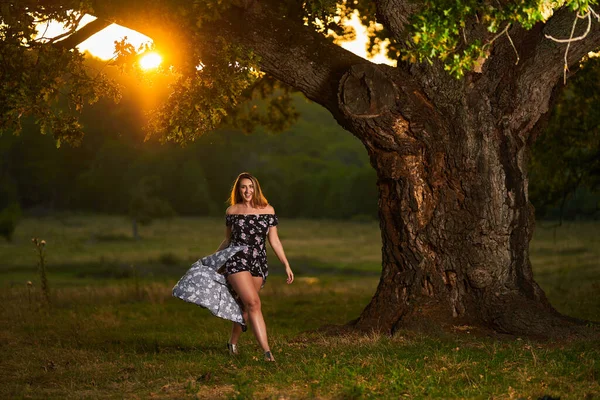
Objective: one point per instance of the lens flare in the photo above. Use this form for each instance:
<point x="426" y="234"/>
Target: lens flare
<point x="150" y="61"/>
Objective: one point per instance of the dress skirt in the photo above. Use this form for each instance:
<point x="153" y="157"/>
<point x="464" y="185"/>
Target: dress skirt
<point x="204" y="286"/>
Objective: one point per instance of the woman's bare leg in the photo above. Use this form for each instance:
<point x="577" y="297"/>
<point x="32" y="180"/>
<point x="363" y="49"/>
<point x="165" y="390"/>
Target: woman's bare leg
<point x="245" y="286"/>
<point x="236" y="330"/>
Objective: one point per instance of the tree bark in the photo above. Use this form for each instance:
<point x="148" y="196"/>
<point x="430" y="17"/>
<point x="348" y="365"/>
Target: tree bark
<point x="455" y="216"/>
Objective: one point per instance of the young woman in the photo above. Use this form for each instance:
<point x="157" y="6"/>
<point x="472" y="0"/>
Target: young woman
<point x="249" y="221"/>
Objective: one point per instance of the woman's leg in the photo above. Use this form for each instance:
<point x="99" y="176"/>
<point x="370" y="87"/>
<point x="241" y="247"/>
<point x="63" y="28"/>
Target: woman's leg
<point x="245" y="285"/>
<point x="236" y="330"/>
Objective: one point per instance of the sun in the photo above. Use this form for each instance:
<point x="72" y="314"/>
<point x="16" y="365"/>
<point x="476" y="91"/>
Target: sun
<point x="150" y="60"/>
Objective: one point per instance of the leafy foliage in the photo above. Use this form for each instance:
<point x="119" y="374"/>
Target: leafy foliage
<point x="218" y="83"/>
<point x="9" y="218"/>
<point x="567" y="156"/>
<point x="200" y="101"/>
<point x="10" y="210"/>
<point x="42" y="79"/>
<point x="443" y="30"/>
<point x="38" y="77"/>
<point x="269" y="105"/>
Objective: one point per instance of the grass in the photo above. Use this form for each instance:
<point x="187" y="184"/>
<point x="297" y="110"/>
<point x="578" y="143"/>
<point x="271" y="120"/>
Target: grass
<point x="114" y="330"/>
<point x="82" y="244"/>
<point x="566" y="264"/>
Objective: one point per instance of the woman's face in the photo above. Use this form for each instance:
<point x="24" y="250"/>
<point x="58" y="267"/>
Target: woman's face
<point x="246" y="189"/>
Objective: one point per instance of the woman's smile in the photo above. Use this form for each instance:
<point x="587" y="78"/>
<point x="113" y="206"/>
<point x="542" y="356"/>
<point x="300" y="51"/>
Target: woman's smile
<point x="247" y="189"/>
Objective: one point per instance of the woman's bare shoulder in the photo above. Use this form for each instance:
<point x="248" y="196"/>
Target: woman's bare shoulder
<point x="231" y="209"/>
<point x="268" y="210"/>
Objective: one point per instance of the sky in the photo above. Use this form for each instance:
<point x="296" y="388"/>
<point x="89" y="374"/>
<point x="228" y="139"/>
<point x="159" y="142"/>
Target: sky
<point x="101" y="44"/>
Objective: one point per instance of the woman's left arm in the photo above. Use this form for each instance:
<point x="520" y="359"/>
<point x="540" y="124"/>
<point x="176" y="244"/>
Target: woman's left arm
<point x="278" y="249"/>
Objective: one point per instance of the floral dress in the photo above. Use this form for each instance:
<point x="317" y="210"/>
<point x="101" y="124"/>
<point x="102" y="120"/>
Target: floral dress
<point x="205" y="285"/>
<point x="249" y="230"/>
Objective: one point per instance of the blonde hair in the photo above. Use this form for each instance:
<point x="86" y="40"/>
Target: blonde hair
<point x="258" y="200"/>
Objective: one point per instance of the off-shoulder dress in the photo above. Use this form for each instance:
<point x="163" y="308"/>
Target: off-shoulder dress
<point x="249" y="230"/>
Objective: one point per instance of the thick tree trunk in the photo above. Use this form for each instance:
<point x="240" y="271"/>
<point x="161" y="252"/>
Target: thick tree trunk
<point x="454" y="212"/>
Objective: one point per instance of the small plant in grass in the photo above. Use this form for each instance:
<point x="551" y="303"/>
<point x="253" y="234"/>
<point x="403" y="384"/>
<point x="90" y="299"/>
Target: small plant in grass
<point x="243" y="389"/>
<point x="40" y="246"/>
<point x="29" y="287"/>
<point x="353" y="391"/>
<point x="191" y="387"/>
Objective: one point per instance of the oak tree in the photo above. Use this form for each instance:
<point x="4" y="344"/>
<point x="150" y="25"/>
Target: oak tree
<point x="448" y="129"/>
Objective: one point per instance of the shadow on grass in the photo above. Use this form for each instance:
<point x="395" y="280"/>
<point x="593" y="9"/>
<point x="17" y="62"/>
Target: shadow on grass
<point x="561" y="251"/>
<point x="311" y="266"/>
<point x="148" y="345"/>
<point x="167" y="266"/>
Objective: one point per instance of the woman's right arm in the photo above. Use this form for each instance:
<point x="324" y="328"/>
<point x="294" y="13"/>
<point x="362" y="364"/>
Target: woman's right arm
<point x="225" y="243"/>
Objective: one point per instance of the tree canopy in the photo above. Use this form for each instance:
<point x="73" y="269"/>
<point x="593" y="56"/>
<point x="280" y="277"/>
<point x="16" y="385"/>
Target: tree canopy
<point x="218" y="51"/>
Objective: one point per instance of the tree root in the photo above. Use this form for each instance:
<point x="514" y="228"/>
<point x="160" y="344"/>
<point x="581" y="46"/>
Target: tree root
<point x="510" y="315"/>
<point x="520" y="316"/>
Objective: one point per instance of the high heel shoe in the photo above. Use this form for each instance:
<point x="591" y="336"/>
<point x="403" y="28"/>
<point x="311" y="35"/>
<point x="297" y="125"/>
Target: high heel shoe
<point x="269" y="357"/>
<point x="233" y="349"/>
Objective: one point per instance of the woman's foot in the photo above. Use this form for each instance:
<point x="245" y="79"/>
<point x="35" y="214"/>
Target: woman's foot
<point x="269" y="357"/>
<point x="233" y="349"/>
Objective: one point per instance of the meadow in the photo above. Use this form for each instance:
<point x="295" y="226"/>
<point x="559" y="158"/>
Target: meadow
<point x="114" y="331"/>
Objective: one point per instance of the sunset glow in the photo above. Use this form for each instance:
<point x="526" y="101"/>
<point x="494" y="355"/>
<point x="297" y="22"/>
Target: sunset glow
<point x="150" y="61"/>
<point x="102" y="44"/>
<point x="359" y="45"/>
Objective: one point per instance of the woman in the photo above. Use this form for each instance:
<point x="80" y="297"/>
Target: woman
<point x="249" y="221"/>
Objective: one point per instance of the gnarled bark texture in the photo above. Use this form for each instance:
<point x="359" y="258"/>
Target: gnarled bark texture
<point x="455" y="218"/>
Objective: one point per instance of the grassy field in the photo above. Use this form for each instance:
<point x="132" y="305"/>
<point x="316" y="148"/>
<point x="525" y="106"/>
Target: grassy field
<point x="114" y="330"/>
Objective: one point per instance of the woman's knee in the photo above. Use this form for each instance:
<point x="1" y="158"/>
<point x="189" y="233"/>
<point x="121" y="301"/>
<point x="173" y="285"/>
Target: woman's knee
<point x="252" y="304"/>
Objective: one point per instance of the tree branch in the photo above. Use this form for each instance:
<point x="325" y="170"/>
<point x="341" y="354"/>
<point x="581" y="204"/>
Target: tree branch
<point x="82" y="34"/>
<point x="291" y="52"/>
<point x="550" y="55"/>
<point x="530" y="84"/>
<point x="395" y="15"/>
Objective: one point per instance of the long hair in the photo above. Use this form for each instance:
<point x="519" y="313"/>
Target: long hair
<point x="258" y="200"/>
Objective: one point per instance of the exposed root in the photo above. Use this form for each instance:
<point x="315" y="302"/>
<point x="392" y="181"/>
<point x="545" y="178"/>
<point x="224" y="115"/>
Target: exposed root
<point x="516" y="315"/>
<point x="509" y="316"/>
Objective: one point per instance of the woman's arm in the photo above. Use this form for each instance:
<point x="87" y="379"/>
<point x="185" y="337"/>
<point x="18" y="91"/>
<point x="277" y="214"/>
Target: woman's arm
<point x="278" y="249"/>
<point x="225" y="243"/>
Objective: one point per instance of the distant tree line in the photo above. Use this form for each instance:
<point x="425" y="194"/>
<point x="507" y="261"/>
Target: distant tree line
<point x="314" y="169"/>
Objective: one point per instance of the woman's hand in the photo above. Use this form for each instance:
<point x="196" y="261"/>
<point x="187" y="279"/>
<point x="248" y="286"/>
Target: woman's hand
<point x="290" y="274"/>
